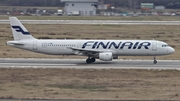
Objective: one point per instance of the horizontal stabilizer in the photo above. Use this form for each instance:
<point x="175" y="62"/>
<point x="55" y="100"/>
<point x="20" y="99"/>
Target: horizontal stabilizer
<point x="15" y="43"/>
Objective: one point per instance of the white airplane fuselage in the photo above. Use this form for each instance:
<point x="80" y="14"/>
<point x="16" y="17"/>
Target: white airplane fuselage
<point x="117" y="47"/>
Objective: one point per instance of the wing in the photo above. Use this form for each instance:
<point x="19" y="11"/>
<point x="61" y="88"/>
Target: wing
<point x="86" y="52"/>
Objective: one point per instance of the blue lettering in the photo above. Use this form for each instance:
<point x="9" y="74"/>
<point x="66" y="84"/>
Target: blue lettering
<point x="136" y="44"/>
<point x="145" y="44"/>
<point x="103" y="45"/>
<point x="129" y="44"/>
<point x="120" y="45"/>
<point x="114" y="44"/>
<point x="86" y="44"/>
<point x="94" y="45"/>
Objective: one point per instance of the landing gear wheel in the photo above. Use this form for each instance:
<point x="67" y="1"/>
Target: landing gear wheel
<point x="88" y="61"/>
<point x="155" y="61"/>
<point x="93" y="60"/>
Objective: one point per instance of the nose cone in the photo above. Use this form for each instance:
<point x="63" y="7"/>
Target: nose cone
<point x="171" y="50"/>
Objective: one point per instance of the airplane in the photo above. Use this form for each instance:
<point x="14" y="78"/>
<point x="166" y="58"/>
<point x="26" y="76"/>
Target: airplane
<point x="105" y="50"/>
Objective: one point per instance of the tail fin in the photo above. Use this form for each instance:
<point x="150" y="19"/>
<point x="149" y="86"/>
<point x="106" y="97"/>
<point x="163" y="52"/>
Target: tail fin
<point x="18" y="30"/>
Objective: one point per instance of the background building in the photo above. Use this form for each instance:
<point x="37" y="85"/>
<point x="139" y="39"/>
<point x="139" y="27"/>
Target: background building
<point x="80" y="7"/>
<point x="159" y="7"/>
<point x="147" y="6"/>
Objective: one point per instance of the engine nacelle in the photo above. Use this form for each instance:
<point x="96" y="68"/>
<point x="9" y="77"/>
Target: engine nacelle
<point x="106" y="56"/>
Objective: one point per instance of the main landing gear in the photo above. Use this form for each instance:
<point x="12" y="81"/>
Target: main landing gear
<point x="155" y="61"/>
<point x="90" y="60"/>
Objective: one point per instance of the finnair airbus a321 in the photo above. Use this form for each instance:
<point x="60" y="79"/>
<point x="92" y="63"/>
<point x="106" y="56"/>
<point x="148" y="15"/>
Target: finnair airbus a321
<point x="105" y="50"/>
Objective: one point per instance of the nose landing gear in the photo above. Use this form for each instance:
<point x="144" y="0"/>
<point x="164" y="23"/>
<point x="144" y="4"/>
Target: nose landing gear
<point x="155" y="61"/>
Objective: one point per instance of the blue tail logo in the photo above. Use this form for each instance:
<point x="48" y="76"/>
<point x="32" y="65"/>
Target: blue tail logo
<point x="19" y="29"/>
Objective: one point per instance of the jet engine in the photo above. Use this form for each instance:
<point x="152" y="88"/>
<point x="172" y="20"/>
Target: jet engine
<point x="106" y="56"/>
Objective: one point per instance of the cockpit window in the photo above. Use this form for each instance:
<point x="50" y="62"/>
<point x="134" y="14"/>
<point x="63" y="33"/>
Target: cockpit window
<point x="165" y="45"/>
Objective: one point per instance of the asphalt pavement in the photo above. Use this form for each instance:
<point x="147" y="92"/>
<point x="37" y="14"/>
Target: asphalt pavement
<point x="81" y="64"/>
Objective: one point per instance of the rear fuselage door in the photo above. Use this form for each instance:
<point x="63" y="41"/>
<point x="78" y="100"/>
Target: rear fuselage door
<point x="34" y="45"/>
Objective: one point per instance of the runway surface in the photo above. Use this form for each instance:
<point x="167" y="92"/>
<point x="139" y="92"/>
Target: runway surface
<point x="111" y="22"/>
<point x="81" y="64"/>
<point x="56" y="100"/>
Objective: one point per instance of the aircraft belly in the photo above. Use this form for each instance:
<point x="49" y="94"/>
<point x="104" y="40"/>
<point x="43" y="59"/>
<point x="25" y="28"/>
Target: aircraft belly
<point x="131" y="52"/>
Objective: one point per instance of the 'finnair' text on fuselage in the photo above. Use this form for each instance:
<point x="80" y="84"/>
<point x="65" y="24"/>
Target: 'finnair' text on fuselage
<point x="119" y="45"/>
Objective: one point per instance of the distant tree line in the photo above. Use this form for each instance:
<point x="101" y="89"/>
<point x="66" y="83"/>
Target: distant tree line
<point x="171" y="4"/>
<point x="40" y="3"/>
<point x="133" y="4"/>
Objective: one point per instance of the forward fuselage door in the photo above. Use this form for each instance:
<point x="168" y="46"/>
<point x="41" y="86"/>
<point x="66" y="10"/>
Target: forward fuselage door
<point x="154" y="46"/>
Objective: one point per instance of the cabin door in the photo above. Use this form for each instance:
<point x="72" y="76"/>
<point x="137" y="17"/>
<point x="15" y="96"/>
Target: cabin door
<point x="79" y="45"/>
<point x="34" y="45"/>
<point x="154" y="46"/>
